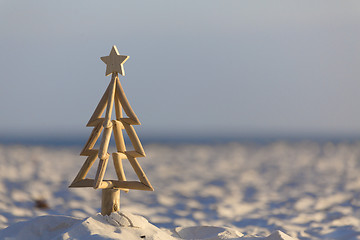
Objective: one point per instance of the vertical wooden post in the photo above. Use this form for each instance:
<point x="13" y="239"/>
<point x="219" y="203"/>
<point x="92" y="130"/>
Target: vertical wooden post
<point x="110" y="201"/>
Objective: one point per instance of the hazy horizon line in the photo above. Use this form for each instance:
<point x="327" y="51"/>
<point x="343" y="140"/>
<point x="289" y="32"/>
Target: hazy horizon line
<point x="80" y="139"/>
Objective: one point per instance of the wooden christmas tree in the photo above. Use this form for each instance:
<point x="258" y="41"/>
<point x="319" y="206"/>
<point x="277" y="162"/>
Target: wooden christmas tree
<point x="113" y="94"/>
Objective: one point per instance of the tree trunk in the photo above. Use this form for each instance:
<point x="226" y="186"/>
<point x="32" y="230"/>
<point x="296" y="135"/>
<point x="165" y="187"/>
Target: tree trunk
<point x="110" y="201"/>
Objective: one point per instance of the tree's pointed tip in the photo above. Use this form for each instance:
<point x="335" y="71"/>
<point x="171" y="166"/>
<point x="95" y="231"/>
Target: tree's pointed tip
<point x="114" y="49"/>
<point x="150" y="188"/>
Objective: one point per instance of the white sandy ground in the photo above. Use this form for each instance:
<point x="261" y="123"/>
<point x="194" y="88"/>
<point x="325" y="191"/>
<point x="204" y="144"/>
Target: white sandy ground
<point x="306" y="190"/>
<point x="116" y="226"/>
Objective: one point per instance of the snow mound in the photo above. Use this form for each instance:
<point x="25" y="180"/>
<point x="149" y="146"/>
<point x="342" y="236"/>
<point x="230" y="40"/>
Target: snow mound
<point x="122" y="225"/>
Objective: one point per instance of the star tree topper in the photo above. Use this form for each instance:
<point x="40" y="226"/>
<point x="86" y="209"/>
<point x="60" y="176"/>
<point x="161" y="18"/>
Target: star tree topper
<point x="114" y="62"/>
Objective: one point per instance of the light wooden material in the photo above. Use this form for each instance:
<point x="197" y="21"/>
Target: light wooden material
<point x="100" y="173"/>
<point x="107" y="184"/>
<point x="117" y="158"/>
<point x="134" y="154"/>
<point x="119" y="166"/>
<point x="105" y="140"/>
<point x="110" y="201"/>
<point x="125" y="103"/>
<point x="114" y="62"/>
<point x="125" y="184"/>
<point x="139" y="172"/>
<point x="113" y="96"/>
<point x="107" y="121"/>
<point x="118" y="107"/>
<point x="104" y="145"/>
<point x="85" y="168"/>
<point x="118" y="135"/>
<point x="92" y="139"/>
<point x="134" y="139"/>
<point x="99" y="109"/>
<point x="130" y="121"/>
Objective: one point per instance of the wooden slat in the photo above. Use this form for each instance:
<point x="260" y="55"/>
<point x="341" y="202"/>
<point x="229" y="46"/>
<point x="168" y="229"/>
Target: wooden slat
<point x="92" y="139"/>
<point x="120" y="155"/>
<point x="107" y="184"/>
<point x="139" y="172"/>
<point x="85" y="168"/>
<point x="119" y="166"/>
<point x="118" y="135"/>
<point x="134" y="139"/>
<point x="117" y="158"/>
<point x="100" y="172"/>
<point x="125" y="184"/>
<point x="83" y="183"/>
<point x="100" y="107"/>
<point x="129" y="121"/>
<point x="90" y="152"/>
<point x="104" y="144"/>
<point x="134" y="154"/>
<point x="96" y="122"/>
<point x="118" y="107"/>
<point x="111" y="97"/>
<point x="125" y="103"/>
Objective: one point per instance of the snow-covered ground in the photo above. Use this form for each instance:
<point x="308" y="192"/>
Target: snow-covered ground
<point x="307" y="190"/>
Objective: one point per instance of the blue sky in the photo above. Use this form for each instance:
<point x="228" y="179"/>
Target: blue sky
<point x="196" y="67"/>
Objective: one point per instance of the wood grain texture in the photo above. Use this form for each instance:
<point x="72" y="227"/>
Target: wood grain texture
<point x="118" y="107"/>
<point x="114" y="62"/>
<point x="125" y="103"/>
<point x="129" y="121"/>
<point x="85" y="168"/>
<point x="100" y="172"/>
<point x="104" y="144"/>
<point x="134" y="154"/>
<point x="92" y="139"/>
<point x="111" y="97"/>
<point x="100" y="108"/>
<point x="83" y="183"/>
<point x="134" y="139"/>
<point x="118" y="136"/>
<point x="110" y="201"/>
<point x="107" y="184"/>
<point x="139" y="172"/>
<point x="125" y="184"/>
<point x="117" y="159"/>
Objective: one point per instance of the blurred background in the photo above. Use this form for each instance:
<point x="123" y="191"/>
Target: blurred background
<point x="282" y="73"/>
<point x="198" y="70"/>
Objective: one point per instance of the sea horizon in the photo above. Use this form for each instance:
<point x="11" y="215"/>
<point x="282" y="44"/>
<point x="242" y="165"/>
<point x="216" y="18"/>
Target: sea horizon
<point x="213" y="139"/>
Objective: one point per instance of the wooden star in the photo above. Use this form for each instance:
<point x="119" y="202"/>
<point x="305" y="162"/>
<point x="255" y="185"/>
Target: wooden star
<point x="114" y="62"/>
